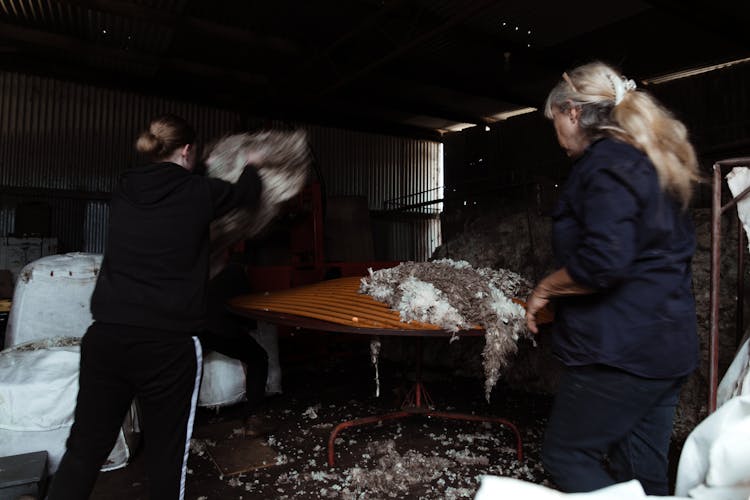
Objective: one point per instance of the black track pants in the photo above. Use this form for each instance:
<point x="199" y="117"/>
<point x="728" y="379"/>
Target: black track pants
<point x="244" y="347"/>
<point x="227" y="333"/>
<point x="163" y="370"/>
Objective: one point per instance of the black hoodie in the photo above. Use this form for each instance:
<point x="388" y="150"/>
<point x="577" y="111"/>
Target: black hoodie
<point x="155" y="266"/>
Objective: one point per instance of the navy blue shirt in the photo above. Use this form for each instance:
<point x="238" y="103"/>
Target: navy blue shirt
<point x="617" y="232"/>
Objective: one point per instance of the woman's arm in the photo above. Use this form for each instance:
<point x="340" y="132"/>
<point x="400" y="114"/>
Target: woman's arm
<point x="557" y="284"/>
<point x="226" y="196"/>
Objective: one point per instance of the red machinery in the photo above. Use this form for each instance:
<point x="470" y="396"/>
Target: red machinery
<point x="306" y="262"/>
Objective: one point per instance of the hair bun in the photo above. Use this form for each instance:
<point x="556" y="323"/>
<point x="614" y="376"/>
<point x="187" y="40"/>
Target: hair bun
<point x="148" y="144"/>
<point x="163" y="136"/>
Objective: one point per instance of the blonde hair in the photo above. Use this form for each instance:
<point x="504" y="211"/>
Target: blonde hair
<point x="165" y="134"/>
<point x="638" y="119"/>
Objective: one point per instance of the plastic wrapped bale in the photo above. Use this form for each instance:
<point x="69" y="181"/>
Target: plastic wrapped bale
<point x="51" y="301"/>
<point x="283" y="165"/>
<point x="715" y="458"/>
<point x="38" y="389"/>
<point x="52" y="297"/>
<point x="223" y="381"/>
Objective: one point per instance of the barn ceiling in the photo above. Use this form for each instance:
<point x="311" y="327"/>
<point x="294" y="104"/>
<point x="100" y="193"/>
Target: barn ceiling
<point x="405" y="67"/>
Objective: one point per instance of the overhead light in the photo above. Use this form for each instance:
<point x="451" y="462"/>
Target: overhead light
<point x="693" y="72"/>
<point x="458" y="127"/>
<point x="509" y="114"/>
<point x="486" y="128"/>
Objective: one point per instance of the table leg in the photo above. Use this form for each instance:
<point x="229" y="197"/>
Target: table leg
<point x="419" y="402"/>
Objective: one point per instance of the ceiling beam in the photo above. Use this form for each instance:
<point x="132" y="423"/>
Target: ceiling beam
<point x="471" y="10"/>
<point x="346" y="118"/>
<point x="52" y="45"/>
<point x="187" y="23"/>
<point x="431" y="25"/>
<point x="389" y="105"/>
<point x="369" y="22"/>
<point x="429" y="100"/>
<point x="56" y="43"/>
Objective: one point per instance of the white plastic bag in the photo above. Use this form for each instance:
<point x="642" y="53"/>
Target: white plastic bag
<point x="223" y="381"/>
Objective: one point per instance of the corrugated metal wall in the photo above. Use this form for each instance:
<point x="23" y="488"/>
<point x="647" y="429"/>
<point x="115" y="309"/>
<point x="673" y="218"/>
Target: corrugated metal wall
<point x="393" y="174"/>
<point x="61" y="135"/>
<point x="382" y="168"/>
<point x="715" y="106"/>
<point x="64" y="144"/>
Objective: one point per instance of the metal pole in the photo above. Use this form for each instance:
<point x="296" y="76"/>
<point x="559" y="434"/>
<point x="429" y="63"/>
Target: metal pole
<point x="713" y="339"/>
<point x="740" y="282"/>
<point x="418" y="375"/>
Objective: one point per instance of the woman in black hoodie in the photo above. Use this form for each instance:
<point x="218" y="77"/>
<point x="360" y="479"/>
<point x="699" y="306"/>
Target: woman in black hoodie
<point x="148" y="306"/>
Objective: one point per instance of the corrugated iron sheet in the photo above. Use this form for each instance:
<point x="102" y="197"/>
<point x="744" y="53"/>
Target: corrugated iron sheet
<point x="379" y="167"/>
<point x="7" y="220"/>
<point x="95" y="226"/>
<point x="713" y="105"/>
<point x="391" y="172"/>
<point x="64" y="144"/>
<point x="62" y="135"/>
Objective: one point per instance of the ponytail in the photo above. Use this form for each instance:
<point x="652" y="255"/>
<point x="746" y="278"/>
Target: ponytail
<point x="610" y="106"/>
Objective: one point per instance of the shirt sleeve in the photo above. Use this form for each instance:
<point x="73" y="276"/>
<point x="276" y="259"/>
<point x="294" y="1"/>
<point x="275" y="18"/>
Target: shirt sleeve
<point x="226" y="196"/>
<point x="610" y="214"/>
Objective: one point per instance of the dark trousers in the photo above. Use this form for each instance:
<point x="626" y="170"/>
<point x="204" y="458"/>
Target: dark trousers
<point x="228" y="334"/>
<point x="243" y="347"/>
<point x="118" y="363"/>
<point x="609" y="426"/>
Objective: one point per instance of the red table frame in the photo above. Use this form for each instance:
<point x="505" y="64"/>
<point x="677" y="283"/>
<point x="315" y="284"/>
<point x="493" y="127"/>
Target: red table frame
<point x="417" y="402"/>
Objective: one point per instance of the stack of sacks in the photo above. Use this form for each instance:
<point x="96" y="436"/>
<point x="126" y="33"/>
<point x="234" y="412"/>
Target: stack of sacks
<point x="39" y="370"/>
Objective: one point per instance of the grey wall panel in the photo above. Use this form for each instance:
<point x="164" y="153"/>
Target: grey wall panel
<point x="95" y="226"/>
<point x="391" y="172"/>
<point x="406" y="237"/>
<point x="379" y="167"/>
<point x="61" y="135"/>
<point x="7" y="220"/>
<point x="715" y="106"/>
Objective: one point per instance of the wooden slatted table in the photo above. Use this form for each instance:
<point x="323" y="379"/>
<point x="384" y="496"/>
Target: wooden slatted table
<point x="337" y="306"/>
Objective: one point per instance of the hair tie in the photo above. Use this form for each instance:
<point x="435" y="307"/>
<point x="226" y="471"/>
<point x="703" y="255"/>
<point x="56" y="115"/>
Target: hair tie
<point x="621" y="86"/>
<point x="570" y="82"/>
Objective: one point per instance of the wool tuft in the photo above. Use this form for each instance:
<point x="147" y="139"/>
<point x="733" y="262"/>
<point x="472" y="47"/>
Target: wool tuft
<point x="283" y="167"/>
<point x="455" y="296"/>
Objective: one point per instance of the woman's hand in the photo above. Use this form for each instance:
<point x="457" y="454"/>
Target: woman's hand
<point x="534" y="303"/>
<point x="557" y="284"/>
<point x="254" y="158"/>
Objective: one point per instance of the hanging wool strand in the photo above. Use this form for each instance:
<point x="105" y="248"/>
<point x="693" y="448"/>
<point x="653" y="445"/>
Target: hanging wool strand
<point x="455" y="296"/>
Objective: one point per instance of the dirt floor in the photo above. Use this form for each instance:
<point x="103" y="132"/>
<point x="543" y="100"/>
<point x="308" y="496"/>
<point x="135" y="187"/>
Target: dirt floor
<point x="333" y="381"/>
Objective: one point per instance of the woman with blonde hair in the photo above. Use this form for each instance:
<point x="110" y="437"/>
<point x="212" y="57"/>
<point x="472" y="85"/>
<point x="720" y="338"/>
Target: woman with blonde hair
<point x="149" y="305"/>
<point x="625" y="314"/>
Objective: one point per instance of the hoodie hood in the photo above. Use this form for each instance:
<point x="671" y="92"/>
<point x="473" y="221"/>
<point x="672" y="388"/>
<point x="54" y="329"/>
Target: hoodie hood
<point x="149" y="184"/>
